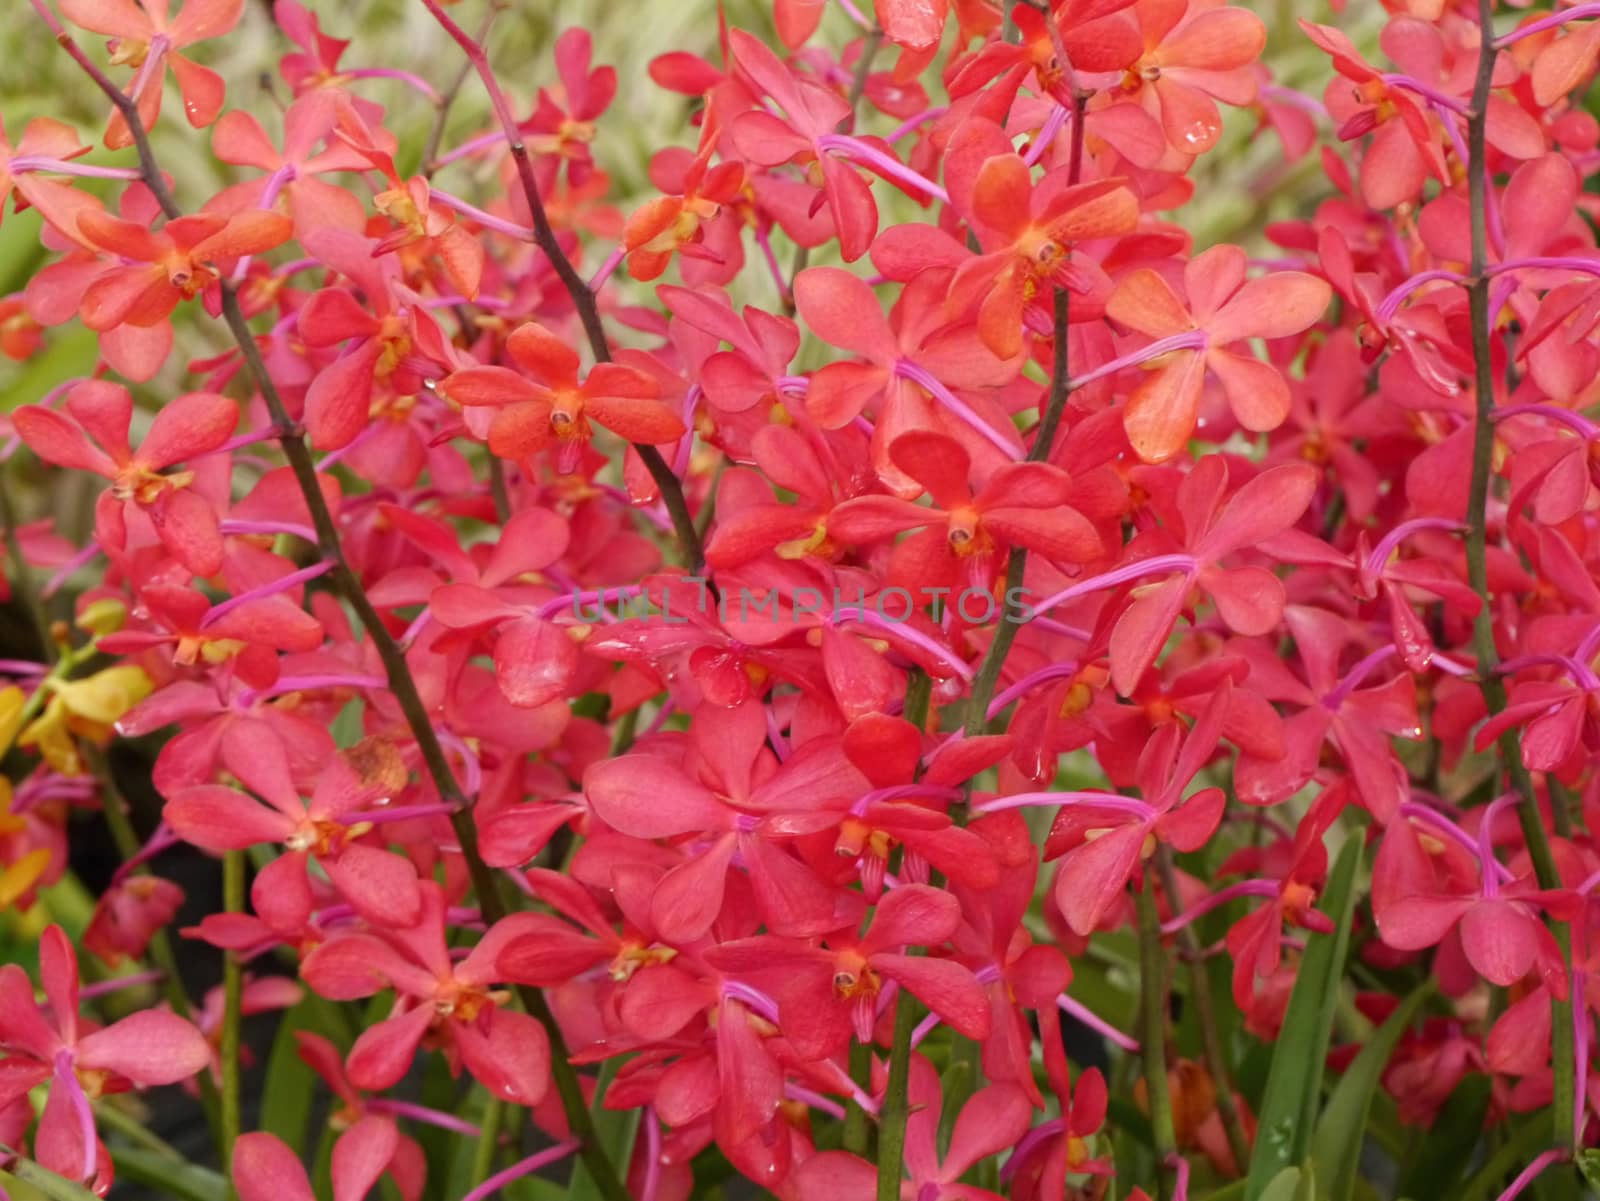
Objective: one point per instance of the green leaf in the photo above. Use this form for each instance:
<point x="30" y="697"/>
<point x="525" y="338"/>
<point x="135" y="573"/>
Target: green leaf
<point x="613" y="1128"/>
<point x="1440" y="1165"/>
<point x="44" y="1182"/>
<point x="1336" y="1148"/>
<point x="1291" y="1184"/>
<point x="1294" y="1083"/>
<point x="168" y="1177"/>
<point x="1532" y="1137"/>
<point x="290" y="1084"/>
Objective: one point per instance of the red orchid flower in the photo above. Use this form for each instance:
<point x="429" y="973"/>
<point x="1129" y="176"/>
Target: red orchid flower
<point x="265" y="1169"/>
<point x="147" y="39"/>
<point x="1301" y="865"/>
<point x="1049" y="1153"/>
<point x="1223" y="309"/>
<point x="155" y="270"/>
<point x="419" y="224"/>
<point x="694" y="197"/>
<point x="1027" y="230"/>
<point x="248" y="634"/>
<point x="752" y="373"/>
<point x="1018" y="973"/>
<point x="914" y="360"/>
<point x="506" y="1051"/>
<point x="1497" y="922"/>
<point x="990" y="1122"/>
<point x="45" y="143"/>
<point x="1405" y="149"/>
<point x="147" y="1048"/>
<point x="1194" y="55"/>
<point x="725" y="664"/>
<point x="317" y="63"/>
<point x="1105" y="839"/>
<point x="291" y="182"/>
<point x="328" y="828"/>
<point x="563" y="120"/>
<point x="1097" y="34"/>
<point x="752" y="522"/>
<point x="967" y="534"/>
<point x="810" y="113"/>
<point x="187" y="428"/>
<point x="554" y="406"/>
<point x="893" y="807"/>
<point x="1249" y="599"/>
<point x="392" y="338"/>
<point x="534" y="657"/>
<point x="648" y="795"/>
<point x="1356" y="722"/>
<point x="127" y="915"/>
<point x="825" y="991"/>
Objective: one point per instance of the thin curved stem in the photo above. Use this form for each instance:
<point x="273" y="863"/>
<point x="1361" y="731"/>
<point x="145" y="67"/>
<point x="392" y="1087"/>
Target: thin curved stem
<point x="583" y="298"/>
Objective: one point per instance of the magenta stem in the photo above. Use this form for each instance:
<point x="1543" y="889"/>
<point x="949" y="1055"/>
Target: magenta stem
<point x="1452" y="831"/>
<point x="906" y="127"/>
<point x="522" y="1168"/>
<point x="37" y="162"/>
<point x="1576" y="422"/>
<point x="64" y="572"/>
<point x="1433" y="95"/>
<point x="234" y="526"/>
<point x="885" y="165"/>
<point x="1101" y="800"/>
<point x="117" y="983"/>
<point x="1138" y="569"/>
<point x="1577" y="12"/>
<point x="613" y="261"/>
<point x="1564" y="262"/>
<point x="1353" y="677"/>
<point x="488" y="220"/>
<point x="421" y="1113"/>
<point x="1380" y="553"/>
<point x="1082" y="1013"/>
<point x="242" y="440"/>
<point x="1053" y="671"/>
<point x="398" y="813"/>
<point x="159" y="840"/>
<point x="273" y="588"/>
<point x="1390" y="304"/>
<point x="1188" y="340"/>
<point x="1180" y="1165"/>
<point x="1244" y="888"/>
<point x="854" y="14"/>
<point x="860" y="613"/>
<point x="1042" y="141"/>
<point x="1529" y="1173"/>
<point x="406" y="77"/>
<point x="917" y="374"/>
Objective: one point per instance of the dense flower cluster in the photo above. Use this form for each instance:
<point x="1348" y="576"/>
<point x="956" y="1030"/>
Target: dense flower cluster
<point x="649" y="695"/>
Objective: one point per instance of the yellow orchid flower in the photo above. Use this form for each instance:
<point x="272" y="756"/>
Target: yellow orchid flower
<point x="89" y="708"/>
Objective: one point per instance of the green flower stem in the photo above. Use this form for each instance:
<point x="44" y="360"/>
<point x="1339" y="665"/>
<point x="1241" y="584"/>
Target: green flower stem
<point x="1509" y="744"/>
<point x="1153" y="1036"/>
<point x="232" y="992"/>
<point x="895" y="1108"/>
<point x="1205" y="1013"/>
<point x="857" y="1130"/>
